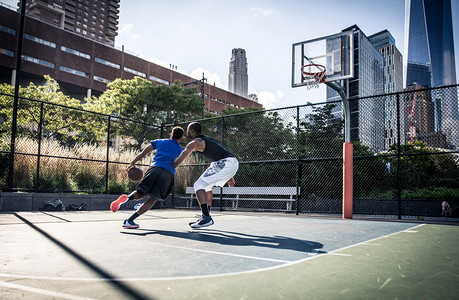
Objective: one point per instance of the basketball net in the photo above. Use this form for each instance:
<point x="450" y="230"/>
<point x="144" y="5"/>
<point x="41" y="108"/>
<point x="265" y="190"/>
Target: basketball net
<point x="313" y="75"/>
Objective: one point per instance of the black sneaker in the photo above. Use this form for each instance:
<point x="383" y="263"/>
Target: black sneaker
<point x="199" y="219"/>
<point x="130" y="225"/>
<point x="203" y="222"/>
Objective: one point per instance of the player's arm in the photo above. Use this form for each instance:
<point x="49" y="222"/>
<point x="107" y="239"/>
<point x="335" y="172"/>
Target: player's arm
<point x="194" y="145"/>
<point x="140" y="156"/>
<point x="231" y="182"/>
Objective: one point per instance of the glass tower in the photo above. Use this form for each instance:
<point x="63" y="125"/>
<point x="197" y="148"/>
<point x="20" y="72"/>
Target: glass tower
<point x="384" y="42"/>
<point x="430" y="44"/>
<point x="430" y="54"/>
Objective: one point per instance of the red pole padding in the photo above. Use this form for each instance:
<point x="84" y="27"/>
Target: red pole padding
<point x="347" y="180"/>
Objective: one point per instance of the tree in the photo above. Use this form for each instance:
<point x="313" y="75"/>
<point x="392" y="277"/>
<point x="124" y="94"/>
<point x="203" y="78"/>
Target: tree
<point x="321" y="134"/>
<point x="421" y="169"/>
<point x="149" y="105"/>
<point x="61" y="117"/>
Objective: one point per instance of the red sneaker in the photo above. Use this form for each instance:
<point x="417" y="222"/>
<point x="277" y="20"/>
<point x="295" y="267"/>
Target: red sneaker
<point x="115" y="206"/>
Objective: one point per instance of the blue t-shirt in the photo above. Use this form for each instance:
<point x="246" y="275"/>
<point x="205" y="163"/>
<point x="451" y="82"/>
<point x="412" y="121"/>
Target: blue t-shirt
<point x="167" y="150"/>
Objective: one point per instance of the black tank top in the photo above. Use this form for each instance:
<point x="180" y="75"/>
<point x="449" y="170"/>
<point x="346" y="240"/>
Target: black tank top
<point x="214" y="151"/>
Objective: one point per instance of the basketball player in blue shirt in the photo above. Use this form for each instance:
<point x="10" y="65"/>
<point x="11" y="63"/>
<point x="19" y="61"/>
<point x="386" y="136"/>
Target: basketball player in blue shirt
<point x="222" y="169"/>
<point x="158" y="179"/>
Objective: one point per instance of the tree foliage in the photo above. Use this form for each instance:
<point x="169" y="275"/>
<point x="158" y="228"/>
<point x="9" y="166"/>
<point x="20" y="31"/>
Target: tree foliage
<point x="138" y="99"/>
<point x="47" y="105"/>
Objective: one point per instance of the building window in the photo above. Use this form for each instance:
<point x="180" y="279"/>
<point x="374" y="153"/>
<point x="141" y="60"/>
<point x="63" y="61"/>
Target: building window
<point x="159" y="80"/>
<point x="74" y="52"/>
<point x="8" y="30"/>
<point x="113" y="65"/>
<point x="6" y="52"/>
<point x="40" y="41"/>
<point x="75" y="72"/>
<point x="38" y="61"/>
<point x="135" y="72"/>
<point x="101" y="79"/>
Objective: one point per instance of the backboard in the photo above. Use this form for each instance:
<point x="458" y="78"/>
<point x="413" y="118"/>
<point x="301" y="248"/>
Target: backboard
<point x="334" y="52"/>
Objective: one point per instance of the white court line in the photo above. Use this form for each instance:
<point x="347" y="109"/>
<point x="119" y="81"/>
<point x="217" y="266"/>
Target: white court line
<point x="340" y="254"/>
<point x="41" y="291"/>
<point x="223" y="253"/>
<point x="288" y="263"/>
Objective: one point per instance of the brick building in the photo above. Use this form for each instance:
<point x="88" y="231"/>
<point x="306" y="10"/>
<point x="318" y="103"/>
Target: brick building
<point x="83" y="66"/>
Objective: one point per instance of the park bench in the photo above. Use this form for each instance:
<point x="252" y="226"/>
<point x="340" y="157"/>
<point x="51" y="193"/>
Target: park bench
<point x="236" y="194"/>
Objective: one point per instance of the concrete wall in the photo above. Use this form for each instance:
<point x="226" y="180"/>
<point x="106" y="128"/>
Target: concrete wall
<point x="34" y="201"/>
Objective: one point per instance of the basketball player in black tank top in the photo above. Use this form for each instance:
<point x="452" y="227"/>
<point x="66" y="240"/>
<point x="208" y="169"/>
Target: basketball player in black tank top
<point x="222" y="169"/>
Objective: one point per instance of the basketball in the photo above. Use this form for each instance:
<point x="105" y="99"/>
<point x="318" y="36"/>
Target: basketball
<point x="135" y="174"/>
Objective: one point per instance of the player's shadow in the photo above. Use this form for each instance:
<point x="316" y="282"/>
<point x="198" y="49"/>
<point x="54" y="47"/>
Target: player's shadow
<point x="237" y="239"/>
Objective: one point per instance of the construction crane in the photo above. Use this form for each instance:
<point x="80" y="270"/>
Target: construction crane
<point x="411" y="117"/>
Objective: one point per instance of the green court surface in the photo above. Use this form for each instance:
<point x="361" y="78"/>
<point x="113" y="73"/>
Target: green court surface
<point x="87" y="255"/>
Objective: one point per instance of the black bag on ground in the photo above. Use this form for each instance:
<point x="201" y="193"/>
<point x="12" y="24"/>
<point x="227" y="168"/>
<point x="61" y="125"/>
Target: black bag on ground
<point x="81" y="206"/>
<point x="53" y="205"/>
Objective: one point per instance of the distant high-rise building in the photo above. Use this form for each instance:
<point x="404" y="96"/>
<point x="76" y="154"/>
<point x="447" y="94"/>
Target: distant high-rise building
<point x="429" y="43"/>
<point x="384" y="42"/>
<point x="430" y="58"/>
<point x="94" y="19"/>
<point x="368" y="80"/>
<point x="238" y="80"/>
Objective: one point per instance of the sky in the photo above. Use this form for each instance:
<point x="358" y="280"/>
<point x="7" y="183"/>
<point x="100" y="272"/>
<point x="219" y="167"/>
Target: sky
<point x="197" y="36"/>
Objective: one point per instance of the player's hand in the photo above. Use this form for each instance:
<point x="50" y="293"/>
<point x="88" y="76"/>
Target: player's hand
<point x="132" y="165"/>
<point x="231" y="182"/>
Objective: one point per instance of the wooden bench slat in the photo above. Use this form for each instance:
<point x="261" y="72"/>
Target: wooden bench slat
<point x="255" y="191"/>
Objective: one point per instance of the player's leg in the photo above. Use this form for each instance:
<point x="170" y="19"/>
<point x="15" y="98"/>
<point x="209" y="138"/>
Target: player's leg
<point x="129" y="223"/>
<point x="210" y="197"/>
<point x="123" y="199"/>
<point x="201" y="188"/>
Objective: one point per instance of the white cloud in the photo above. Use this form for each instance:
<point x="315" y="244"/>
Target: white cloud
<point x="158" y="62"/>
<point x="127" y="29"/>
<point x="258" y="11"/>
<point x="269" y="99"/>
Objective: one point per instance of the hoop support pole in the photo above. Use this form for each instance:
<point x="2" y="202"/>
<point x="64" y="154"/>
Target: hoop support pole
<point x="347" y="153"/>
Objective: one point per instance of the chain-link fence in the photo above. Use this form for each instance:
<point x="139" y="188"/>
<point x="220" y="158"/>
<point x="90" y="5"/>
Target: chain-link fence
<point x="405" y="153"/>
<point x="63" y="149"/>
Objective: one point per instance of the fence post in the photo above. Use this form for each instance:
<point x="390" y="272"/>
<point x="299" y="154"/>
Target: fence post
<point x="40" y="132"/>
<point x="161" y="134"/>
<point x="108" y="153"/>
<point x="399" y="171"/>
<point x="14" y="117"/>
<point x="223" y="144"/>
<point x="299" y="167"/>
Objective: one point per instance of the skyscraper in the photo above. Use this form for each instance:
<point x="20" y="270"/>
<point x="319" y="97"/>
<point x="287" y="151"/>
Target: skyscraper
<point x="94" y="19"/>
<point x="430" y="57"/>
<point x="367" y="81"/>
<point x="384" y="42"/>
<point x="238" y="78"/>
<point x="430" y="44"/>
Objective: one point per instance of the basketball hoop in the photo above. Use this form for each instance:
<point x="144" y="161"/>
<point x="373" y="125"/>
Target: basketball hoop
<point x="313" y="74"/>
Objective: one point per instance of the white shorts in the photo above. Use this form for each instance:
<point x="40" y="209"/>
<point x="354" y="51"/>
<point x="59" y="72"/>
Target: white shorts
<point x="217" y="174"/>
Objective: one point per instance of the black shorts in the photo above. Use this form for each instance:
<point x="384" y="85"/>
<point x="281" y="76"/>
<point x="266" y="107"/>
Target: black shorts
<point x="157" y="182"/>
